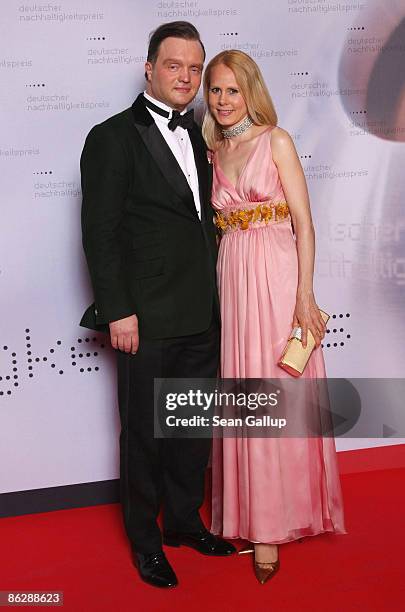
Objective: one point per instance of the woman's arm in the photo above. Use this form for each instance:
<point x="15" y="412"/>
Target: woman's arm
<point x="292" y="178"/>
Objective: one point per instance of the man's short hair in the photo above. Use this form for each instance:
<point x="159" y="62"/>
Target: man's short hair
<point x="175" y="29"/>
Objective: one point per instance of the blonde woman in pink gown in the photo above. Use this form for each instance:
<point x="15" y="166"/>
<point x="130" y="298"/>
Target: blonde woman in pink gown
<point x="267" y="491"/>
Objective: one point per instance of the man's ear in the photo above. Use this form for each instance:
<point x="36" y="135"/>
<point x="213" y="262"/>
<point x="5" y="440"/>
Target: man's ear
<point x="148" y="70"/>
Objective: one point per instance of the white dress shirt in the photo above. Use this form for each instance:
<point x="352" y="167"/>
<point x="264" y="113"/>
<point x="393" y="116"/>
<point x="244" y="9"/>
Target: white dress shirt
<point x="180" y="145"/>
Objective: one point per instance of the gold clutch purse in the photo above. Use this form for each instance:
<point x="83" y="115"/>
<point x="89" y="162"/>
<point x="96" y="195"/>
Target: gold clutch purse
<point x="294" y="357"/>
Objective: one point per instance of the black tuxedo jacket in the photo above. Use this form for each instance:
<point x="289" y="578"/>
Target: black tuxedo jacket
<point x="147" y="250"/>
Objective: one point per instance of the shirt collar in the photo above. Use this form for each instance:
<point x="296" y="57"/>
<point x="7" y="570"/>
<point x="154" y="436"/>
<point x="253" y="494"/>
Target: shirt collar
<point x="163" y="106"/>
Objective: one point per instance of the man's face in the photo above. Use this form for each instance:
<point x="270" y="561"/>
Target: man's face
<point x="175" y="77"/>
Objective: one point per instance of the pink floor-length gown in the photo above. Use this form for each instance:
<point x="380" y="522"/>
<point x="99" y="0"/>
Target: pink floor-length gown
<point x="270" y="490"/>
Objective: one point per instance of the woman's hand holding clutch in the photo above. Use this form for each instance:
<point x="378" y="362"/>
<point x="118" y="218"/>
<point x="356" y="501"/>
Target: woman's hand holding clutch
<point x="307" y="316"/>
<point x="296" y="354"/>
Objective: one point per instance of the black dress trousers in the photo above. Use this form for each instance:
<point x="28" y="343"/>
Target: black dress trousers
<point x="161" y="473"/>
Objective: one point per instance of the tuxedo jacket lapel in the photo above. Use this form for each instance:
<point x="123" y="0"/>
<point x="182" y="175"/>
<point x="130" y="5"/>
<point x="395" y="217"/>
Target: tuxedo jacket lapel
<point x="201" y="162"/>
<point x="161" y="153"/>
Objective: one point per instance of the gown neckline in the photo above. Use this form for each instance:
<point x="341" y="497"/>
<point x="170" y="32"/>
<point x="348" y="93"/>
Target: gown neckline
<point x="245" y="165"/>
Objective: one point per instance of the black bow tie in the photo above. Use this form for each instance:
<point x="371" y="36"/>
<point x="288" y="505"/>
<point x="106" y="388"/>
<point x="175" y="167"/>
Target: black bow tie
<point x="185" y="121"/>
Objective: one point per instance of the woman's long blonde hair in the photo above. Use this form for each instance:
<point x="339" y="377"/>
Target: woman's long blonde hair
<point x="253" y="89"/>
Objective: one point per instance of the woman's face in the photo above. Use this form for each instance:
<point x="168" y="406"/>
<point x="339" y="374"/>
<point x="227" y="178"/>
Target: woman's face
<point x="225" y="100"/>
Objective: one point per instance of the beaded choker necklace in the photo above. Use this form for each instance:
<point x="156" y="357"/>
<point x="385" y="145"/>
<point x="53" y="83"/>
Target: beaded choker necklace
<point x="236" y="130"/>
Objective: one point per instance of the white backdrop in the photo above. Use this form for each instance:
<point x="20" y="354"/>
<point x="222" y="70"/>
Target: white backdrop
<point x="333" y="69"/>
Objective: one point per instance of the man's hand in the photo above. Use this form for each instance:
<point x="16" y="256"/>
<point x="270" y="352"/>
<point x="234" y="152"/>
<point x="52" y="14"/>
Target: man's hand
<point x="124" y="334"/>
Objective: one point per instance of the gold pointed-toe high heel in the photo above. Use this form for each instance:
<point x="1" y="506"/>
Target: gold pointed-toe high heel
<point x="264" y="570"/>
<point x="263" y="574"/>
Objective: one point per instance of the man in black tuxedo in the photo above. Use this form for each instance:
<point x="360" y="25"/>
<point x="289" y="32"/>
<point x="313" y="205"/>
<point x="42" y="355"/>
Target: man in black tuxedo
<point x="150" y="244"/>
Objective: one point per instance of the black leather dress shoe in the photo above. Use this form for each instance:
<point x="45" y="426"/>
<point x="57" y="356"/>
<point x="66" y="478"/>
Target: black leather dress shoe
<point x="203" y="541"/>
<point x="155" y="569"/>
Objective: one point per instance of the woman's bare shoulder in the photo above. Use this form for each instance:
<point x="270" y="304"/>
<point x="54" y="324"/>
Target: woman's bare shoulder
<point x="280" y="137"/>
<point x="282" y="145"/>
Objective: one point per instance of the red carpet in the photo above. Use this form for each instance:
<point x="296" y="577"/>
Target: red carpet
<point x="84" y="553"/>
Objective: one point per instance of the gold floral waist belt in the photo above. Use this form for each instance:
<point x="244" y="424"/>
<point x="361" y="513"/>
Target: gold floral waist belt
<point x="243" y="218"/>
